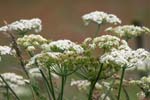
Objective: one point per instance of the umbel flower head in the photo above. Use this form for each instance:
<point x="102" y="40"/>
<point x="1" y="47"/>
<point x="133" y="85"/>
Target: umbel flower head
<point x="125" y="57"/>
<point x="128" y="31"/>
<point x="23" y="25"/>
<point x="63" y="46"/>
<point x="6" y="50"/>
<point x="13" y="80"/>
<point x="99" y="17"/>
<point x="30" y="42"/>
<point x="43" y="59"/>
<point x="106" y="42"/>
<point x="84" y="84"/>
<point x="59" y="63"/>
<point x="144" y="84"/>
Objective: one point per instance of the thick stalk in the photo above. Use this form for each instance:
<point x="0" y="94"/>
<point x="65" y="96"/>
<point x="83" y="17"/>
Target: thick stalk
<point x="97" y="30"/>
<point x="93" y="82"/>
<point x="51" y="84"/>
<point x="121" y="81"/>
<point x="62" y="87"/>
<point x="7" y="85"/>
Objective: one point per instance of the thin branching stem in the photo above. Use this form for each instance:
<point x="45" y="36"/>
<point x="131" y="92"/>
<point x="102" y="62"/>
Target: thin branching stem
<point x="7" y="93"/>
<point x="16" y="47"/>
<point x="97" y="30"/>
<point x="7" y="85"/>
<point x="126" y="93"/>
<point x="93" y="82"/>
<point x="121" y="82"/>
<point x="51" y="84"/>
<point x="62" y="87"/>
<point x="48" y="88"/>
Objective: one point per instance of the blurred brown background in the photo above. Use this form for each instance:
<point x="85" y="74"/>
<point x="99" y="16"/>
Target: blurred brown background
<point x="62" y="18"/>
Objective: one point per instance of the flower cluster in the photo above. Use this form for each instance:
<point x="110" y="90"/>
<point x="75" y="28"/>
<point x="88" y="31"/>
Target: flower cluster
<point x="84" y="84"/>
<point x="43" y="58"/>
<point x="128" y="31"/>
<point x="94" y="63"/>
<point x="144" y="82"/>
<point x="103" y="96"/>
<point x="100" y="18"/>
<point x="23" y="25"/>
<point x="6" y="50"/>
<point x="141" y="95"/>
<point x="59" y="63"/>
<point x="35" y="72"/>
<point x="13" y="80"/>
<point x="106" y="41"/>
<point x="63" y="46"/>
<point x="125" y="58"/>
<point x="31" y="41"/>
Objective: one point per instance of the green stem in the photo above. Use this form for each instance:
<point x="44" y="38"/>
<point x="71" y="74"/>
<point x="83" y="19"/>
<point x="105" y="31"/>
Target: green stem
<point x="7" y="91"/>
<point x="97" y="30"/>
<point x="126" y="93"/>
<point x="51" y="84"/>
<point x="63" y="79"/>
<point x="47" y="84"/>
<point x="7" y="85"/>
<point x="93" y="82"/>
<point x="30" y="53"/>
<point x="121" y="81"/>
<point x="91" y="90"/>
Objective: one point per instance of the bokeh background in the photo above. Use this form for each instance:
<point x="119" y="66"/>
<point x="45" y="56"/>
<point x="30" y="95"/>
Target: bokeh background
<point x="61" y="19"/>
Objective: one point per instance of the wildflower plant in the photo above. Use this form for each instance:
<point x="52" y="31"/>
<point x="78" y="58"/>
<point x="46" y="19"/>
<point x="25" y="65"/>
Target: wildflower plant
<point x="128" y="31"/>
<point x="93" y="64"/>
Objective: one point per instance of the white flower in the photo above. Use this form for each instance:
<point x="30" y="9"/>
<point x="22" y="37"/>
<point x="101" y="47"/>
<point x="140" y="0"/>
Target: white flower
<point x="13" y="80"/>
<point x="124" y="46"/>
<point x="144" y="83"/>
<point x="6" y="50"/>
<point x="100" y="18"/>
<point x="144" y="66"/>
<point x="31" y="41"/>
<point x="63" y="46"/>
<point x="106" y="41"/>
<point x="125" y="57"/>
<point x="116" y="57"/>
<point x="41" y="58"/>
<point x="84" y="84"/>
<point x="23" y="25"/>
<point x="103" y="95"/>
<point x="35" y="72"/>
<point x="128" y="31"/>
<point x="141" y="95"/>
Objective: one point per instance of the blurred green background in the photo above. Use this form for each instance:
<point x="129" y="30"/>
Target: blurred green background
<point x="61" y="19"/>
